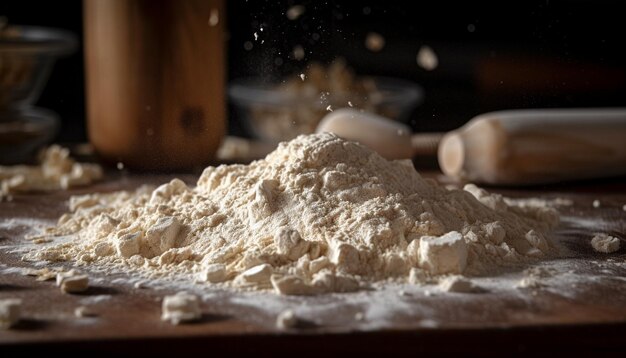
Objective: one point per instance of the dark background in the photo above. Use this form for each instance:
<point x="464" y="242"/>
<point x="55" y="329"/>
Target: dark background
<point x="520" y="54"/>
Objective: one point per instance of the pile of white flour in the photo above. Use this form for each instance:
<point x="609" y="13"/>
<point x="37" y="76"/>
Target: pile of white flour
<point x="319" y="214"/>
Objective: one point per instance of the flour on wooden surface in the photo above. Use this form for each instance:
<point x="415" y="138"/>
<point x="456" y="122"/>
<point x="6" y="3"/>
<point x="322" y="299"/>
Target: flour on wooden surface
<point x="459" y="284"/>
<point x="180" y="308"/>
<point x="286" y="319"/>
<point x="56" y="171"/>
<point x="10" y="309"/>
<point x="319" y="214"/>
<point x="72" y="281"/>
<point x="605" y="243"/>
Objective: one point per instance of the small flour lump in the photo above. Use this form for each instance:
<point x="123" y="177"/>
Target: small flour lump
<point x="605" y="243"/>
<point x="57" y="171"/>
<point x="319" y="214"/>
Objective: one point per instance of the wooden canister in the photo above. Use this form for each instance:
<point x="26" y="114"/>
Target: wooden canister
<point x="155" y="73"/>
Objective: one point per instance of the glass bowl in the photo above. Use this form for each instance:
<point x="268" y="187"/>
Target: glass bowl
<point x="274" y="112"/>
<point x="27" y="55"/>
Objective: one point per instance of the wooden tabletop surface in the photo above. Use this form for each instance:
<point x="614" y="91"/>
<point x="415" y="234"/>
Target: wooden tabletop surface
<point x="589" y="315"/>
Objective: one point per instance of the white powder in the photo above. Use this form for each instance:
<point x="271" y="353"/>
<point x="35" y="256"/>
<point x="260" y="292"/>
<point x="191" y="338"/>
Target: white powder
<point x="535" y="277"/>
<point x="84" y="311"/>
<point x="72" y="281"/>
<point x="319" y="214"/>
<point x="213" y="273"/>
<point x="427" y="58"/>
<point x="286" y="319"/>
<point x="56" y="171"/>
<point x="180" y="308"/>
<point x="10" y="310"/>
<point x="443" y="254"/>
<point x="605" y="243"/>
<point x="459" y="284"/>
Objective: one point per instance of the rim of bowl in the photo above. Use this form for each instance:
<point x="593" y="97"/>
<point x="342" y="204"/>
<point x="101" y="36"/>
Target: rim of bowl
<point x="254" y="90"/>
<point x="34" y="39"/>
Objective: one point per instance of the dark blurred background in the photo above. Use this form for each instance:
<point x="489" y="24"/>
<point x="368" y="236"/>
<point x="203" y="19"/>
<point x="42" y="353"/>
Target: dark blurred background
<point x="492" y="55"/>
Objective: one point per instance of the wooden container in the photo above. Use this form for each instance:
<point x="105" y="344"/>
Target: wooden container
<point x="155" y="81"/>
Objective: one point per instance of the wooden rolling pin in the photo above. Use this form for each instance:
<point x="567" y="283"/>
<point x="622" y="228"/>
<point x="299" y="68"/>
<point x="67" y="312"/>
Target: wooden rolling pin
<point x="391" y="139"/>
<point x="521" y="147"/>
<point x="517" y="147"/>
<point x="508" y="147"/>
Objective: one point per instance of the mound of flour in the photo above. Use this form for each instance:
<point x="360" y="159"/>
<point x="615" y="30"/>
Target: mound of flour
<point x="319" y="214"/>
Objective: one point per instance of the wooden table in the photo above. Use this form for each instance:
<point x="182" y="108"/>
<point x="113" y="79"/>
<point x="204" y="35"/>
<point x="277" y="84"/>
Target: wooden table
<point x="590" y="318"/>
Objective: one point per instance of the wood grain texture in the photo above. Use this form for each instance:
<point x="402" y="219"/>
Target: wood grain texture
<point x="155" y="81"/>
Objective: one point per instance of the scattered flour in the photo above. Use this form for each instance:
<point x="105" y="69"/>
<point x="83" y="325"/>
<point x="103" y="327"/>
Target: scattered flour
<point x="427" y="58"/>
<point x="319" y="214"/>
<point x="10" y="309"/>
<point x="72" y="281"/>
<point x="605" y="243"/>
<point x="459" y="284"/>
<point x="530" y="282"/>
<point x="43" y="274"/>
<point x="286" y="319"/>
<point x="535" y="277"/>
<point x="56" y="171"/>
<point x="84" y="311"/>
<point x="180" y="308"/>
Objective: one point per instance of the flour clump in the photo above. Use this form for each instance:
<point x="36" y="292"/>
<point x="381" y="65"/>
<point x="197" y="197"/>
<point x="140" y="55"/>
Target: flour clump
<point x="57" y="170"/>
<point x="605" y="243"/>
<point x="319" y="214"/>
